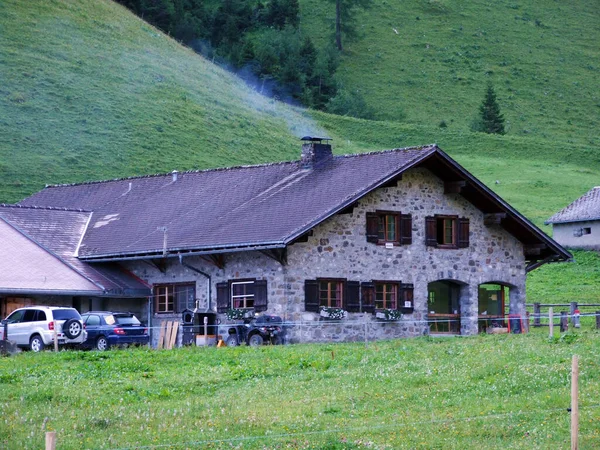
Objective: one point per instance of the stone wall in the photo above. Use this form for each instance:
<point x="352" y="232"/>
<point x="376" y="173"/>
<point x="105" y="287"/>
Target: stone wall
<point x="338" y="249"/>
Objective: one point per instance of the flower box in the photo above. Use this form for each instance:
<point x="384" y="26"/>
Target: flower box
<point x="388" y="314"/>
<point x="239" y="314"/>
<point x="332" y="313"/>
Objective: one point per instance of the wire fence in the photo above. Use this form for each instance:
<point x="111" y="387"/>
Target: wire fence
<point x="363" y="429"/>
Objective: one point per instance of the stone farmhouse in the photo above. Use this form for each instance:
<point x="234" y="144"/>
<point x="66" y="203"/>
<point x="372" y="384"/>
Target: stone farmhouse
<point x="405" y="234"/>
<point x="578" y="225"/>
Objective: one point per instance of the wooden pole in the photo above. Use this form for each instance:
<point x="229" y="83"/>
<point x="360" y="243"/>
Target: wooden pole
<point x="564" y="322"/>
<point x="205" y="331"/>
<point x="55" y="336"/>
<point x="573" y="307"/>
<point x="536" y="315"/>
<point x="551" y="322"/>
<point x="575" y="404"/>
<point x="51" y="440"/>
<point x="598" y="320"/>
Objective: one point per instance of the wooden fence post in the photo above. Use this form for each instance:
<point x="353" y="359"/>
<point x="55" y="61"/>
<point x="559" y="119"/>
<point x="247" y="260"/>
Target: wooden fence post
<point x="536" y="315"/>
<point x="564" y="322"/>
<point x="551" y="322"/>
<point x="55" y="333"/>
<point x="598" y="320"/>
<point x="574" y="404"/>
<point x="51" y="440"/>
<point x="573" y="307"/>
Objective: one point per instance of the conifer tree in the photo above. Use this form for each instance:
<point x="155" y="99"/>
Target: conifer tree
<point x="492" y="120"/>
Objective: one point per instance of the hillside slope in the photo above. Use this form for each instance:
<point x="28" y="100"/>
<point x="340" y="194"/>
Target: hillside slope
<point x="89" y="91"/>
<point x="428" y="61"/>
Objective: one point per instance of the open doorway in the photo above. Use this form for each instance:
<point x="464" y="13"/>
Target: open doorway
<point x="494" y="300"/>
<point x="443" y="307"/>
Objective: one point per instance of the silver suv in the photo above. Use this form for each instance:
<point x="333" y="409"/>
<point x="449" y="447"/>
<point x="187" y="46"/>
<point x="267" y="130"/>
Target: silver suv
<point x="33" y="327"/>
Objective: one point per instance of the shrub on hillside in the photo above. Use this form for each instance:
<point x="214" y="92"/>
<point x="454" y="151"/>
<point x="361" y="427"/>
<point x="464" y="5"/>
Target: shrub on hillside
<point x="490" y="119"/>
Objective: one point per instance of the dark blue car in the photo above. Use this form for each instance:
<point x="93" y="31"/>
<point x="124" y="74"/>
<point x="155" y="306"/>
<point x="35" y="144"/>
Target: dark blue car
<point x="106" y="329"/>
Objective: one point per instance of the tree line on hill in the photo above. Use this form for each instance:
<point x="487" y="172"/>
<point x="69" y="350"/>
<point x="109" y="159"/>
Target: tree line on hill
<point x="260" y="40"/>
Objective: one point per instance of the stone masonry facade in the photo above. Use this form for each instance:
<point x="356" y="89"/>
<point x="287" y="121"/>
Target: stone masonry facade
<point x="338" y="249"/>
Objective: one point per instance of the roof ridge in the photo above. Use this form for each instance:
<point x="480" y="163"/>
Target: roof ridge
<point x="230" y="168"/>
<point x="393" y="150"/>
<point x="168" y="174"/>
<point x="49" y="208"/>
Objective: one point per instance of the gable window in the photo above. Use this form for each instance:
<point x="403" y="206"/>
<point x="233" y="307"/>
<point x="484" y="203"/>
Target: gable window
<point x="242" y="294"/>
<point x="174" y="298"/>
<point x="386" y="295"/>
<point x="389" y="227"/>
<point x="444" y="231"/>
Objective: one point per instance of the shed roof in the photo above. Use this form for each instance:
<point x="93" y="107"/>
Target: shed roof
<point x="39" y="249"/>
<point x="585" y="208"/>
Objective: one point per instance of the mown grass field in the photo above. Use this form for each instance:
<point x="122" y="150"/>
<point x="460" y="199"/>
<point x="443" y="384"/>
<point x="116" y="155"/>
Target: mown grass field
<point x="504" y="391"/>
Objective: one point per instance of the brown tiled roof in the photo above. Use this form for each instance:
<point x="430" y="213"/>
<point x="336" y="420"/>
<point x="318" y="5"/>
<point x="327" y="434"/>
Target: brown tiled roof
<point x="254" y="207"/>
<point x="586" y="207"/>
<point x="53" y="235"/>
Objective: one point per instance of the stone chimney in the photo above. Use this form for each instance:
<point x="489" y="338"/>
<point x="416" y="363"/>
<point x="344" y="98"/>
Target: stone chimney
<point x="314" y="152"/>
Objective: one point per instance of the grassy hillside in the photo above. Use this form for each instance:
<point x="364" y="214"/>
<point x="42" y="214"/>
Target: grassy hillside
<point x="89" y="91"/>
<point x="509" y="391"/>
<point x="427" y="61"/>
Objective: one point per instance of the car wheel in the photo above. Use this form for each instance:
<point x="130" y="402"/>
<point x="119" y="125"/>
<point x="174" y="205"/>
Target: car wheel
<point x="276" y="340"/>
<point x="101" y="344"/>
<point x="36" y="344"/>
<point x="256" y="340"/>
<point x="72" y="328"/>
<point x="232" y="341"/>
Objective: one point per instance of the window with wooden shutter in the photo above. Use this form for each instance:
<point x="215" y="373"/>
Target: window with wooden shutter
<point x="407" y="304"/>
<point x="372" y="227"/>
<point x="260" y="295"/>
<point x="311" y="295"/>
<point x="352" y="297"/>
<point x="386" y="294"/>
<point x="389" y="227"/>
<point x="368" y="297"/>
<point x="222" y="297"/>
<point x="463" y="232"/>
<point x="405" y="229"/>
<point x="331" y="292"/>
<point x="242" y="293"/>
<point x="431" y="232"/>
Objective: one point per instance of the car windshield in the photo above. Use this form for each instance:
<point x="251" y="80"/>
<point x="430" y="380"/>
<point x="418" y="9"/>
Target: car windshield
<point x="128" y="319"/>
<point x="65" y="314"/>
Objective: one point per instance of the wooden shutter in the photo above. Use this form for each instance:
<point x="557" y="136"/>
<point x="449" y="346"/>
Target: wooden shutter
<point x="463" y="232"/>
<point x="260" y="295"/>
<point x="406" y="295"/>
<point x="431" y="231"/>
<point x="352" y="296"/>
<point x="368" y="297"/>
<point x="405" y="229"/>
<point x="372" y="227"/>
<point x="223" y="297"/>
<point x="311" y="295"/>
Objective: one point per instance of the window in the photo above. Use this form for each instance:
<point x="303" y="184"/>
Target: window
<point x="377" y="295"/>
<point x="386" y="295"/>
<point x="174" y="298"/>
<point x="330" y="293"/>
<point x="92" y="320"/>
<point x="389" y="227"/>
<point x="586" y="230"/>
<point x="242" y="294"/>
<point x="443" y="231"/>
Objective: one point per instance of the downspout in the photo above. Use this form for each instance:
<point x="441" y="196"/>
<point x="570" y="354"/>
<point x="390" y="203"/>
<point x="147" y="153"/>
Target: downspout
<point x="201" y="273"/>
